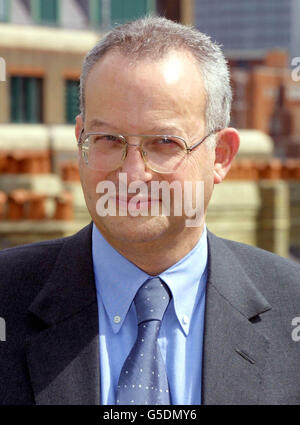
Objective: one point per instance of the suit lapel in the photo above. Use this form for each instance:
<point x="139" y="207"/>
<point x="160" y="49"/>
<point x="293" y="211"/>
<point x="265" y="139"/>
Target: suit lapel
<point x="234" y="353"/>
<point x="63" y="347"/>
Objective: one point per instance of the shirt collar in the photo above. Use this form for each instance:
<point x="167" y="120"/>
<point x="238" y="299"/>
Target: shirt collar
<point x="117" y="279"/>
<point x="186" y="280"/>
<point x="115" y="275"/>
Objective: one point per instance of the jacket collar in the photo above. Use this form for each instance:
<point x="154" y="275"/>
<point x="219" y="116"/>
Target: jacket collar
<point x="70" y="287"/>
<point x="235" y="352"/>
<point x="227" y="275"/>
<point x="63" y="346"/>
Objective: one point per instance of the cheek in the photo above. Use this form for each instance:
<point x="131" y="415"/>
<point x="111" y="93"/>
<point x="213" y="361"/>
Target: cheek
<point x="195" y="169"/>
<point x="89" y="180"/>
<point x="199" y="169"/>
<point x="202" y="165"/>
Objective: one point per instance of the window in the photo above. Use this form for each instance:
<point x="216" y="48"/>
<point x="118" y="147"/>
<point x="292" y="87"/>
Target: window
<point x="127" y="10"/>
<point x="26" y="99"/>
<point x="119" y="11"/>
<point x="4" y="10"/>
<point x="45" y="12"/>
<point x="72" y="100"/>
<point x="84" y="6"/>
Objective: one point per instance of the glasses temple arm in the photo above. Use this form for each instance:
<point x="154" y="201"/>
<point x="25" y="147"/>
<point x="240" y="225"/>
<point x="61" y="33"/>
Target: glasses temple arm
<point x="201" y="141"/>
<point x="79" y="138"/>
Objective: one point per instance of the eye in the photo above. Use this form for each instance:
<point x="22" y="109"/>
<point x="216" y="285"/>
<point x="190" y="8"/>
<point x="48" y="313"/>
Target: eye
<point x="111" y="138"/>
<point x="106" y="143"/>
<point x="105" y="138"/>
<point x="166" y="141"/>
<point x="166" y="144"/>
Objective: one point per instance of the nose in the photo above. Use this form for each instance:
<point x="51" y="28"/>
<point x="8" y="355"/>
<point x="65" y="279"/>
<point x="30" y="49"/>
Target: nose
<point x="135" y="166"/>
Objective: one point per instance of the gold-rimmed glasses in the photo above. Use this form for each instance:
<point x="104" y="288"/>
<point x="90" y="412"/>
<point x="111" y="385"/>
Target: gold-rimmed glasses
<point x="103" y="151"/>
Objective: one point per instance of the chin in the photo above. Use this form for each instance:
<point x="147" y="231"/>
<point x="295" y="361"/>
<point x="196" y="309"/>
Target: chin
<point x="134" y="229"/>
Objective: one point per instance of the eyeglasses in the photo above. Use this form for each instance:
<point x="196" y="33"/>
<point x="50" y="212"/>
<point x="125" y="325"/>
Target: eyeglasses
<point x="162" y="153"/>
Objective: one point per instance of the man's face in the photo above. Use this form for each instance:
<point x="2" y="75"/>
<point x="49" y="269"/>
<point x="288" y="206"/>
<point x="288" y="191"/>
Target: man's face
<point x="150" y="97"/>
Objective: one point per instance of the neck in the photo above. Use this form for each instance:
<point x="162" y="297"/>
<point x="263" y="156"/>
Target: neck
<point x="156" y="256"/>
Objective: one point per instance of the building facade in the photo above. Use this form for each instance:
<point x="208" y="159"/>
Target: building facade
<point x="43" y="43"/>
<point x="260" y="40"/>
<point x="251" y="25"/>
<point x="42" y="46"/>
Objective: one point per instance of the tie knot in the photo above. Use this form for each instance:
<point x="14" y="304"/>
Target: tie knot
<point x="151" y="300"/>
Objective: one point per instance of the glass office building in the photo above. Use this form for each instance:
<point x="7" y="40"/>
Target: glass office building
<point x="251" y="25"/>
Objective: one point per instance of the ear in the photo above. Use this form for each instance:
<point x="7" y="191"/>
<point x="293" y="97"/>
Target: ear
<point x="78" y="126"/>
<point x="228" y="142"/>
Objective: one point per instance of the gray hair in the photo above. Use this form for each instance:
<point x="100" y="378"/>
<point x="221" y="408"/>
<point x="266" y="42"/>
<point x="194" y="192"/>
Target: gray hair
<point x="153" y="37"/>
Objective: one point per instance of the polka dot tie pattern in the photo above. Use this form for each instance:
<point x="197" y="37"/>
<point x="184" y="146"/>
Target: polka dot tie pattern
<point x="143" y="378"/>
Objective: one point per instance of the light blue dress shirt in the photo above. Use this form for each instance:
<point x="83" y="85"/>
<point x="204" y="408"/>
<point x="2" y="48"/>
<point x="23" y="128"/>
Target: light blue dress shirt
<point x="181" y="333"/>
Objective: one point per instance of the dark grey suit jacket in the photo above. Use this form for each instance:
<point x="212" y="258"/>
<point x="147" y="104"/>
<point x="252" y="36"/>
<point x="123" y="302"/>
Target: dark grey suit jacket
<point x="51" y="352"/>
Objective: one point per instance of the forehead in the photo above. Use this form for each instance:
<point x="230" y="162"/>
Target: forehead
<point x="169" y="88"/>
<point x="173" y="68"/>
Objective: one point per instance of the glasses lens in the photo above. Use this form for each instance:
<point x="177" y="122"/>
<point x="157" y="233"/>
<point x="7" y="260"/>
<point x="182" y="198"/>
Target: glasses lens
<point x="164" y="153"/>
<point x="105" y="151"/>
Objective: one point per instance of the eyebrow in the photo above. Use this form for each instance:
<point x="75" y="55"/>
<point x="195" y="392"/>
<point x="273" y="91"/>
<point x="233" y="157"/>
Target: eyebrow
<point x="170" y="129"/>
<point x="98" y="123"/>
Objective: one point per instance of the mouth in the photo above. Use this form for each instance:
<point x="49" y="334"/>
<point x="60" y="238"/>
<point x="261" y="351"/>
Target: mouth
<point x="136" y="201"/>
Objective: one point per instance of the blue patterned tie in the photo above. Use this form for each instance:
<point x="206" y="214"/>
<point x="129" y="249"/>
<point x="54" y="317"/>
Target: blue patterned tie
<point x="143" y="378"/>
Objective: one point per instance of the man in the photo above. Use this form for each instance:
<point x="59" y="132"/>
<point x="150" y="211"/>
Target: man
<point x="155" y="100"/>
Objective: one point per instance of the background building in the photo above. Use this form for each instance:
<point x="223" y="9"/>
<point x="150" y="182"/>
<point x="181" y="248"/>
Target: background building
<point x="251" y="25"/>
<point x="43" y="43"/>
<point x="260" y="39"/>
<point x="267" y="98"/>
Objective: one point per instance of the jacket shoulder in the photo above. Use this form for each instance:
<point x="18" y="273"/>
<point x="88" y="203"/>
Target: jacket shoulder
<point x="29" y="256"/>
<point x="248" y="253"/>
<point x="266" y="269"/>
<point x="38" y="255"/>
<point x="24" y="270"/>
